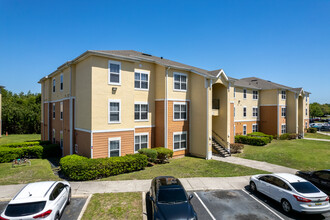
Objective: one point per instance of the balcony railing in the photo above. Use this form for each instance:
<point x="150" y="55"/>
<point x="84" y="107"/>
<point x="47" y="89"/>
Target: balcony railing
<point x="215" y="103"/>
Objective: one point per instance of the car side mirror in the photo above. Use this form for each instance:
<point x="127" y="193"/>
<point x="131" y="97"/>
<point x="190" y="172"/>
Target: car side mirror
<point x="191" y="196"/>
<point x="152" y="199"/>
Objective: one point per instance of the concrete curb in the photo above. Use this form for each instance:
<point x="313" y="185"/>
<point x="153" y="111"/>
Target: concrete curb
<point x="84" y="207"/>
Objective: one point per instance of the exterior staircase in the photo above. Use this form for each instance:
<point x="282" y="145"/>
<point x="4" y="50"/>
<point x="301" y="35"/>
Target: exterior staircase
<point x="217" y="147"/>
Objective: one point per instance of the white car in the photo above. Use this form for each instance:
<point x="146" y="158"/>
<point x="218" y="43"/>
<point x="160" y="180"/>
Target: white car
<point x="293" y="192"/>
<point x="40" y="200"/>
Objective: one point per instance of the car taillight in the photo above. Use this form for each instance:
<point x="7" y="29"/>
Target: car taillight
<point x="302" y="199"/>
<point x="327" y="199"/>
<point x="1" y="218"/>
<point x="43" y="215"/>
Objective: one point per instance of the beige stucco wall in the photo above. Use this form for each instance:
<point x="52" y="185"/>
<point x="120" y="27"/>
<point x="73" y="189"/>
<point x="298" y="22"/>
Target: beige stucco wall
<point x="268" y="97"/>
<point x="249" y="103"/>
<point x="159" y="82"/>
<point x="220" y="122"/>
<point x="183" y="95"/>
<point x="291" y="114"/>
<point x="60" y="94"/>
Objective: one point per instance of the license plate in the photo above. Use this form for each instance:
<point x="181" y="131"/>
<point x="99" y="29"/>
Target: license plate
<point x="319" y="203"/>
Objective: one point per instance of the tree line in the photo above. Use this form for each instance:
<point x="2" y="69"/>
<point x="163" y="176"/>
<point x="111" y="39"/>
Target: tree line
<point x="21" y="112"/>
<point x="318" y="110"/>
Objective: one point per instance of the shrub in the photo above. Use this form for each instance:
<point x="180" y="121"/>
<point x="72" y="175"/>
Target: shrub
<point x="260" y="134"/>
<point x="288" y="136"/>
<point x="236" y="148"/>
<point x="257" y="141"/>
<point x="150" y="153"/>
<point x="22" y="144"/>
<point x="312" y="130"/>
<point x="7" y="154"/>
<point x="163" y="154"/>
<point x="81" y="168"/>
<point x="51" y="150"/>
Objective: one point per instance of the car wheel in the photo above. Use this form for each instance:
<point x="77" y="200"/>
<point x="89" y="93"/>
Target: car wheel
<point x="69" y="198"/>
<point x="286" y="206"/>
<point x="253" y="186"/>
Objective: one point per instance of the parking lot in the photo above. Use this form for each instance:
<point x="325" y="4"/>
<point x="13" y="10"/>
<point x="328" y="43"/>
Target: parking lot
<point x="71" y="211"/>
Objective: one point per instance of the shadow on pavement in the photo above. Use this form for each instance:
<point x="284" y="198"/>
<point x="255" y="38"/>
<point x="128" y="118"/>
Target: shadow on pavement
<point x="148" y="206"/>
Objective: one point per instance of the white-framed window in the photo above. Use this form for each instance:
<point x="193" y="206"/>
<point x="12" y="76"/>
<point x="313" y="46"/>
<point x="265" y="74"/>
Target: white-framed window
<point x="306" y="98"/>
<point x="141" y="80"/>
<point x="180" y="81"/>
<point x="283" y="111"/>
<point x="61" y="110"/>
<point x="234" y="92"/>
<point x="244" y="111"/>
<point x="61" y="82"/>
<point x="54" y="84"/>
<point x="114" y="111"/>
<point x="255" y="128"/>
<point x="53" y="136"/>
<point x="283" y="129"/>
<point x="114" y="147"/>
<point x="244" y="129"/>
<point x="179" y="140"/>
<point x="306" y="125"/>
<point x="141" y="140"/>
<point x="244" y="93"/>
<point x="283" y="93"/>
<point x="255" y="94"/>
<point x="141" y="111"/>
<point x="234" y="112"/>
<point x="114" y="68"/>
<point x="306" y="112"/>
<point x="234" y="130"/>
<point x="179" y="111"/>
<point x="255" y="111"/>
<point x="76" y="148"/>
<point x="61" y="139"/>
<point x="53" y="110"/>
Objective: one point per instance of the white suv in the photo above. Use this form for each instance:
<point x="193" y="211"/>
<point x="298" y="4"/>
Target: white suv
<point x="41" y="200"/>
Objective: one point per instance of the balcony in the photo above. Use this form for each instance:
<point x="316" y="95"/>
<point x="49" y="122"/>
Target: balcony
<point x="215" y="107"/>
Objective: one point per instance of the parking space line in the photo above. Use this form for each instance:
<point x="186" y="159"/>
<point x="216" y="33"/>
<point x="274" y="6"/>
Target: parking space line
<point x="262" y="204"/>
<point x="208" y="211"/>
<point x="84" y="207"/>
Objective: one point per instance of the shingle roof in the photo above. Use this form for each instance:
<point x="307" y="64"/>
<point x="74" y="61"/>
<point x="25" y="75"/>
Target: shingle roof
<point x="261" y="83"/>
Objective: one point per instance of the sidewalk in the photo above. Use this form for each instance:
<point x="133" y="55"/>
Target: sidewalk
<point x="256" y="164"/>
<point x="320" y="132"/>
<point x="316" y="139"/>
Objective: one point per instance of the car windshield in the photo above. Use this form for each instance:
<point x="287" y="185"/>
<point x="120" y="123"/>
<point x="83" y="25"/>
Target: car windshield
<point x="171" y="196"/>
<point x="305" y="187"/>
<point x="17" y="210"/>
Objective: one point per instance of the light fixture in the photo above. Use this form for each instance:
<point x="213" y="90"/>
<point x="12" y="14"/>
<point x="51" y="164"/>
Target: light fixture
<point x="114" y="89"/>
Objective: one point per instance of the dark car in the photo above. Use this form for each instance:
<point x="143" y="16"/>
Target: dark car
<point x="319" y="178"/>
<point x="169" y="200"/>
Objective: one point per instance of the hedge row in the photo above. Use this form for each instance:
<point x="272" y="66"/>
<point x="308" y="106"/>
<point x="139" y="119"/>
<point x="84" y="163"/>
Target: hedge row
<point x="288" y="136"/>
<point x="158" y="154"/>
<point x="81" y="168"/>
<point x="257" y="141"/>
<point x="26" y="144"/>
<point x="260" y="134"/>
<point x="311" y="130"/>
<point x="8" y="154"/>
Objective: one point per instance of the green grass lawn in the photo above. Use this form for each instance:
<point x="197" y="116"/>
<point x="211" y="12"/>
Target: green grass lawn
<point x="114" y="206"/>
<point x="317" y="135"/>
<point x="189" y="167"/>
<point x="298" y="154"/>
<point x="14" y="138"/>
<point x="40" y="170"/>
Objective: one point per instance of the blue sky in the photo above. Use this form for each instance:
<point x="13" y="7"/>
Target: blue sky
<point x="284" y="41"/>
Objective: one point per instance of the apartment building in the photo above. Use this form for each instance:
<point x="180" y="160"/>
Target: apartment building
<point x="113" y="103"/>
<point x="0" y="110"/>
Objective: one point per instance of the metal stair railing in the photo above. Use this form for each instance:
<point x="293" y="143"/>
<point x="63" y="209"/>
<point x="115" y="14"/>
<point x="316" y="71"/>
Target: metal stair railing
<point x="221" y="141"/>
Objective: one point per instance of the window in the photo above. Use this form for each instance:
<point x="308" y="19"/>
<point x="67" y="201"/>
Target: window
<point x="306" y="98"/>
<point x="306" y="112"/>
<point x="61" y="139"/>
<point x="234" y="92"/>
<point x="54" y="82"/>
<point x="283" y="111"/>
<point x="61" y="84"/>
<point x="61" y="110"/>
<point x="255" y="112"/>
<point x="179" y="111"/>
<point x="53" y="110"/>
<point x="244" y="93"/>
<point x="244" y="129"/>
<point x="283" y="94"/>
<point x="140" y="141"/>
<point x="180" y="81"/>
<point x="114" y="111"/>
<point x="56" y="191"/>
<point x="255" y="94"/>
<point x="114" y="147"/>
<point x="141" y="112"/>
<point x="244" y="111"/>
<point x="141" y="80"/>
<point x="234" y="130"/>
<point x="76" y="148"/>
<point x="234" y="112"/>
<point x="283" y="128"/>
<point x="306" y="125"/>
<point x="53" y="136"/>
<point x="114" y="72"/>
<point x="255" y="128"/>
<point x="179" y="141"/>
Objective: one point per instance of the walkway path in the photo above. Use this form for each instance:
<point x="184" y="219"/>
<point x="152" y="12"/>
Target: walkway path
<point x="323" y="133"/>
<point x="317" y="139"/>
<point x="256" y="164"/>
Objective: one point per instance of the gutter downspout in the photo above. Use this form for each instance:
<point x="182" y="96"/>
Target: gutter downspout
<point x="166" y="110"/>
<point x="71" y="113"/>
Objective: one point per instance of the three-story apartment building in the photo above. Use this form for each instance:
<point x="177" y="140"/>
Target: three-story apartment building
<point x="113" y="103"/>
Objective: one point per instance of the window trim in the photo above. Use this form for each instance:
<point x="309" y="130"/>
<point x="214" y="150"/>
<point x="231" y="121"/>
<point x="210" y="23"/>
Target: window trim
<point x="61" y="82"/>
<point x="257" y="95"/>
<point x="282" y="94"/>
<point x="180" y="74"/>
<point x="306" y="111"/>
<point x="144" y="72"/>
<point x="244" y="125"/>
<point x="140" y="134"/>
<point x="141" y="103"/>
<point x="54" y="136"/>
<point x="54" y="111"/>
<point x="54" y="85"/>
<point x="282" y="128"/>
<point x="255" y="107"/>
<point x="180" y="103"/>
<point x="118" y="63"/>
<point x="61" y="139"/>
<point x="114" y="139"/>
<point x="255" y="125"/>
<point x="118" y="101"/>
<point x="283" y="116"/>
<point x="61" y="110"/>
<point x="179" y="133"/>
<point x="245" y="93"/>
<point x="244" y="107"/>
